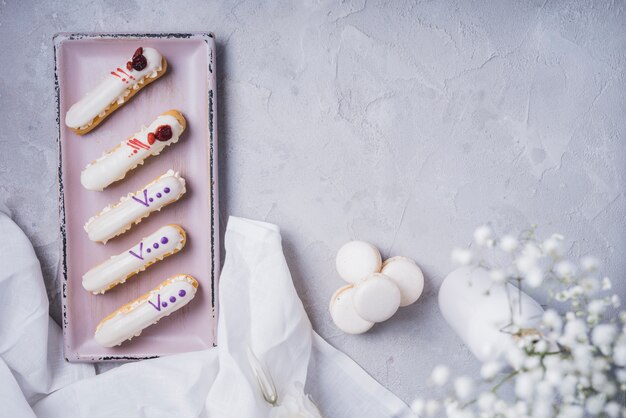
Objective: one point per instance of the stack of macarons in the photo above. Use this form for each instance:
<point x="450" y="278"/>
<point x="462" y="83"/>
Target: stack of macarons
<point x="376" y="290"/>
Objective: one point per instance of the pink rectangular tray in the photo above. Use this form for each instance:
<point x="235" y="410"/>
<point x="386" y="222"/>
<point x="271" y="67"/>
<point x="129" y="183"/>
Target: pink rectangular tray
<point x="189" y="85"/>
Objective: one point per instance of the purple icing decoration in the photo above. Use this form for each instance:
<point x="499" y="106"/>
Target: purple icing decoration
<point x="151" y="199"/>
<point x="164" y="304"/>
<point x="166" y="190"/>
<point x="182" y="293"/>
<point x="140" y="256"/>
<point x="159" y="195"/>
<point x="158" y="304"/>
<point x="148" y="250"/>
<point x="172" y="299"/>
<point x="145" y="198"/>
<point x="164" y="240"/>
<point x="155" y="245"/>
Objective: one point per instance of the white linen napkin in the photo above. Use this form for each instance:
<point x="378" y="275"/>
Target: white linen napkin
<point x="259" y="309"/>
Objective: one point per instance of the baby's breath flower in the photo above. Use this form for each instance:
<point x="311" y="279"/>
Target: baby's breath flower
<point x="596" y="307"/>
<point x="515" y="357"/>
<point x="575" y="331"/>
<point x="612" y="409"/>
<point x="589" y="264"/>
<point x="567" y="388"/>
<point x="552" y="320"/>
<point x="595" y="404"/>
<point x="541" y="346"/>
<point x="508" y="243"/>
<point x="486" y="401"/>
<point x="529" y="258"/>
<point x="619" y="356"/>
<point x="615" y="301"/>
<point x="532" y="362"/>
<point x="483" y="236"/>
<point x="432" y="408"/>
<point x="463" y="387"/>
<point x="599" y="381"/>
<point x="418" y="406"/>
<point x="571" y="411"/>
<point x="440" y="375"/>
<point x="461" y="256"/>
<point x="565" y="270"/>
<point x="521" y="409"/>
<point x="606" y="284"/>
<point x="562" y="296"/>
<point x="590" y="285"/>
<point x="524" y="386"/>
<point x="534" y="277"/>
<point x="553" y="246"/>
<point x="603" y="336"/>
<point x="490" y="369"/>
<point x="542" y="408"/>
<point x="545" y="390"/>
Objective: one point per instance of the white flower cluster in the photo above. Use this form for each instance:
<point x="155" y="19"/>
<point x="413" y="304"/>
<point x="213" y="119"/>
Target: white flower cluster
<point x="574" y="366"/>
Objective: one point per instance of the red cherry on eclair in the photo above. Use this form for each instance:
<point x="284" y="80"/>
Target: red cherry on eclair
<point x="163" y="133"/>
<point x="151" y="138"/>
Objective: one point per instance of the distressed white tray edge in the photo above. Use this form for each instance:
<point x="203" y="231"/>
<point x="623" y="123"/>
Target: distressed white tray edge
<point x="209" y="38"/>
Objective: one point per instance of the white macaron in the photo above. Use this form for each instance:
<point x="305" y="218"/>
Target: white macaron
<point x="376" y="298"/>
<point x="343" y="313"/>
<point x="356" y="260"/>
<point x="407" y="275"/>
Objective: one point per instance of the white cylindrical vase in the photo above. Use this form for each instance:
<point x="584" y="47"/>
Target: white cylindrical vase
<point x="481" y="311"/>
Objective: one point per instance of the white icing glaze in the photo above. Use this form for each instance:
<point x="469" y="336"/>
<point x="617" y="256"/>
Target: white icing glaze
<point x="114" y="88"/>
<point x="117" y="219"/>
<point x="130" y="320"/>
<point x="119" y="267"/>
<point x="114" y="165"/>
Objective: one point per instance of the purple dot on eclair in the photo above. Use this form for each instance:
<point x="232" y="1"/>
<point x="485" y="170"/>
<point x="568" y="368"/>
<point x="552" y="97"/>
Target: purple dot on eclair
<point x="182" y="293"/>
<point x="159" y="195"/>
<point x="172" y="299"/>
<point x="155" y="245"/>
<point x="148" y="250"/>
<point x="151" y="200"/>
<point x="166" y="190"/>
<point x="164" y="304"/>
<point x="164" y="240"/>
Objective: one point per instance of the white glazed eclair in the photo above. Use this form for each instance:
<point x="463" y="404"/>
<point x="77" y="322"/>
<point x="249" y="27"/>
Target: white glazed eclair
<point x="129" y="320"/>
<point x="117" y="88"/>
<point x="164" y="242"/>
<point x="116" y="219"/>
<point x="151" y="140"/>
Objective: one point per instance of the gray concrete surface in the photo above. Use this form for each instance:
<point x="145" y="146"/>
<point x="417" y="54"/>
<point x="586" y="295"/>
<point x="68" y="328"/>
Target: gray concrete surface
<point x="402" y="123"/>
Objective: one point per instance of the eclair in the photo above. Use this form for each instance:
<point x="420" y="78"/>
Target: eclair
<point x="151" y="140"/>
<point x="131" y="319"/>
<point x="116" y="89"/>
<point x="116" y="219"/>
<point x="166" y="241"/>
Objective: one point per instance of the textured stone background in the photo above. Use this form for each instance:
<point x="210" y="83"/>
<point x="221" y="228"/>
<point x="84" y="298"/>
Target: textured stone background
<point x="402" y="123"/>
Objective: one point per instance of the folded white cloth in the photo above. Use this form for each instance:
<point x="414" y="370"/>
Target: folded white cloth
<point x="259" y="310"/>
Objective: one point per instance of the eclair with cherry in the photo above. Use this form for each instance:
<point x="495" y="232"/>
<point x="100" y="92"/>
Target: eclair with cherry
<point x="151" y="140"/>
<point x="116" y="89"/>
